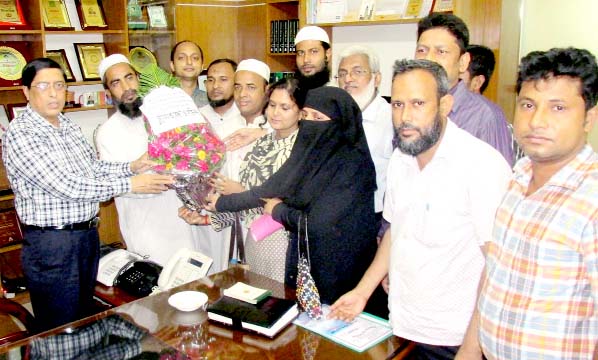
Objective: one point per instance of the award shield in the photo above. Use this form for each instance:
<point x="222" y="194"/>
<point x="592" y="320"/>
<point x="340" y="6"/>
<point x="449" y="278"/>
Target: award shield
<point x="91" y="15"/>
<point x="55" y="15"/>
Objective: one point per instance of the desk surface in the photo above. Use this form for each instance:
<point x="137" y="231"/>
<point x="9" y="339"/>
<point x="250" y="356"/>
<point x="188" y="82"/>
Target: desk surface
<point x="166" y="326"/>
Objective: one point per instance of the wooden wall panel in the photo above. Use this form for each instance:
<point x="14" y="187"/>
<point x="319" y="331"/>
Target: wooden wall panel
<point x="252" y="34"/>
<point x="483" y="19"/>
<point x="214" y="28"/>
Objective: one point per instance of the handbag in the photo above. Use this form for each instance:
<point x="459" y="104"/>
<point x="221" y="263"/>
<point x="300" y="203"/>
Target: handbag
<point x="263" y="227"/>
<point x="236" y="241"/>
<point x="308" y="296"/>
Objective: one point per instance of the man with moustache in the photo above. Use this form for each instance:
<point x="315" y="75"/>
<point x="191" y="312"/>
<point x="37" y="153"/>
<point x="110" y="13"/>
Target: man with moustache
<point x="443" y="38"/>
<point x="444" y="186"/>
<point x="221" y="111"/>
<point x="250" y="83"/>
<point x="312" y="54"/>
<point x="359" y="74"/>
<point x="186" y="62"/>
<point x="539" y="291"/>
<point x="58" y="183"/>
<point x="224" y="117"/>
<point x="148" y="223"/>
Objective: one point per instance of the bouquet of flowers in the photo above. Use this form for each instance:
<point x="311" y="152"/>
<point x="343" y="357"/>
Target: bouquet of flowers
<point x="181" y="142"/>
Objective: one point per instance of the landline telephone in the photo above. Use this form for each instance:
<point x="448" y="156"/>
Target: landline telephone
<point x="129" y="271"/>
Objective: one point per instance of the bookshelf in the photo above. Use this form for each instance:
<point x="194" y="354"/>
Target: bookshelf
<point x="282" y="23"/>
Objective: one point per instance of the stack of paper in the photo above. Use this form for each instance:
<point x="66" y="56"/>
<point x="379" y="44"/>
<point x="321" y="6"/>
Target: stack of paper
<point x="247" y="293"/>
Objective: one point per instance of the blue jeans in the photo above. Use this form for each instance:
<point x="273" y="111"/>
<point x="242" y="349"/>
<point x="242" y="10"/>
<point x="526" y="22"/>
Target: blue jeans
<point x="61" y="268"/>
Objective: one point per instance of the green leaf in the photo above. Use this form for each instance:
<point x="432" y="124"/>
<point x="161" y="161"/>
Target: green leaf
<point x="153" y="77"/>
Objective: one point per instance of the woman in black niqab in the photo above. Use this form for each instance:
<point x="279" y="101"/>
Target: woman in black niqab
<point x="330" y="178"/>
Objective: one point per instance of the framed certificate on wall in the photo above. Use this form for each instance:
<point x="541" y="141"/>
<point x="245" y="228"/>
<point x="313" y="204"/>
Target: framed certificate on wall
<point x="55" y="15"/>
<point x="91" y="15"/>
<point x="157" y="17"/>
<point x="11" y="16"/>
<point x="90" y="55"/>
<point x="60" y="57"/>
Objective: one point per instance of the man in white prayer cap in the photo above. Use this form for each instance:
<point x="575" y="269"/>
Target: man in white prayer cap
<point x="149" y="224"/>
<point x="250" y="84"/>
<point x="313" y="54"/>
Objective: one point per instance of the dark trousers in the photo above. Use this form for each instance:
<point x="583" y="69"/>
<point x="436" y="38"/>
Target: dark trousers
<point x="433" y="352"/>
<point x="61" y="268"/>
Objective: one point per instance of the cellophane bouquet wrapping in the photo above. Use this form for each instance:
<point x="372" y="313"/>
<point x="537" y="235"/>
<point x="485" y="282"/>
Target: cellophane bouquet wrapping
<point x="181" y="141"/>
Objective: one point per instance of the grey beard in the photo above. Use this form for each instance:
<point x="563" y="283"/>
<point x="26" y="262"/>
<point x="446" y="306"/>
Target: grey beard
<point x="427" y="139"/>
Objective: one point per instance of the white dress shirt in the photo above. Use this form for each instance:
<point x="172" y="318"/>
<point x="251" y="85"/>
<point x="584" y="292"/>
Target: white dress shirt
<point x="440" y="217"/>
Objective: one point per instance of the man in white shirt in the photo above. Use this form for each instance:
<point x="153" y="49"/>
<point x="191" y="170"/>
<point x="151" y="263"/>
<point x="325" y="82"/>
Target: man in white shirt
<point x="250" y="83"/>
<point x="148" y="223"/>
<point x="359" y="75"/>
<point x="225" y="118"/>
<point x="221" y="112"/>
<point x="444" y="186"/>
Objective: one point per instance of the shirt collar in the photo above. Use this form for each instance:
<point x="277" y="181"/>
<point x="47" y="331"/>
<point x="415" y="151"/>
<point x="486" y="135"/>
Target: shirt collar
<point x="459" y="92"/>
<point x="570" y="176"/>
<point x="63" y="121"/>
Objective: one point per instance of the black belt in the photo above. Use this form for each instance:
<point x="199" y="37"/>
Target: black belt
<point x="85" y="225"/>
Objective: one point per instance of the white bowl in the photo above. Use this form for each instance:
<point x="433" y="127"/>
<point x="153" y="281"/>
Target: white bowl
<point x="188" y="300"/>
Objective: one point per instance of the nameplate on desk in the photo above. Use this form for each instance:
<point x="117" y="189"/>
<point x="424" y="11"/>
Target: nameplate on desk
<point x="10" y="229"/>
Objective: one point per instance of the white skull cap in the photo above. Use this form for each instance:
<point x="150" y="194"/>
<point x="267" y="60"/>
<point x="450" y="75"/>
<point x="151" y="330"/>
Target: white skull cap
<point x="110" y="61"/>
<point x="255" y="66"/>
<point x="312" y="33"/>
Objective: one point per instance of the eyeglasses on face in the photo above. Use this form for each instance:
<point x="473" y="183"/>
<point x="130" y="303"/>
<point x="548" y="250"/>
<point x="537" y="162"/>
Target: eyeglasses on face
<point x="355" y="73"/>
<point x="43" y="86"/>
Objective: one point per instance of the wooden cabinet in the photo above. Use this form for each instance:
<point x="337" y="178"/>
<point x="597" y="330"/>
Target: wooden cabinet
<point x="236" y="29"/>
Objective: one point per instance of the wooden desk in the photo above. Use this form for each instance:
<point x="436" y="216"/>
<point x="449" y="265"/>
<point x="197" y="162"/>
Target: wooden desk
<point x="165" y="325"/>
<point x="112" y="295"/>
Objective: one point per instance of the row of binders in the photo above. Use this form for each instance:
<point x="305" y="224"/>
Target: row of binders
<point x="282" y="36"/>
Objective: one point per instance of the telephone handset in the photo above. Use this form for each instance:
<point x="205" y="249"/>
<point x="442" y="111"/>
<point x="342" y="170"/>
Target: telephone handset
<point x="183" y="267"/>
<point x="140" y="279"/>
<point x="111" y="265"/>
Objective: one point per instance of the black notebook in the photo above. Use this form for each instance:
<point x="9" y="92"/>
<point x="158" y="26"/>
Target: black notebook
<point x="267" y="317"/>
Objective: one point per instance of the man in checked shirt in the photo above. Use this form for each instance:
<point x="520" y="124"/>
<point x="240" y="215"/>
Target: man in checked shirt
<point x="539" y="292"/>
<point x="58" y="183"/>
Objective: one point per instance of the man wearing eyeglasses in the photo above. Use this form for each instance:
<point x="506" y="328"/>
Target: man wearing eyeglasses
<point x="359" y="74"/>
<point x="58" y="184"/>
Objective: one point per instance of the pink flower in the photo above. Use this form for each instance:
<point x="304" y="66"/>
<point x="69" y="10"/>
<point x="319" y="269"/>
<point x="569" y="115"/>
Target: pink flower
<point x="159" y="168"/>
<point x="203" y="166"/>
<point x="167" y="154"/>
<point x="182" y="151"/>
<point x="182" y="165"/>
<point x="154" y="150"/>
<point x="215" y="158"/>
